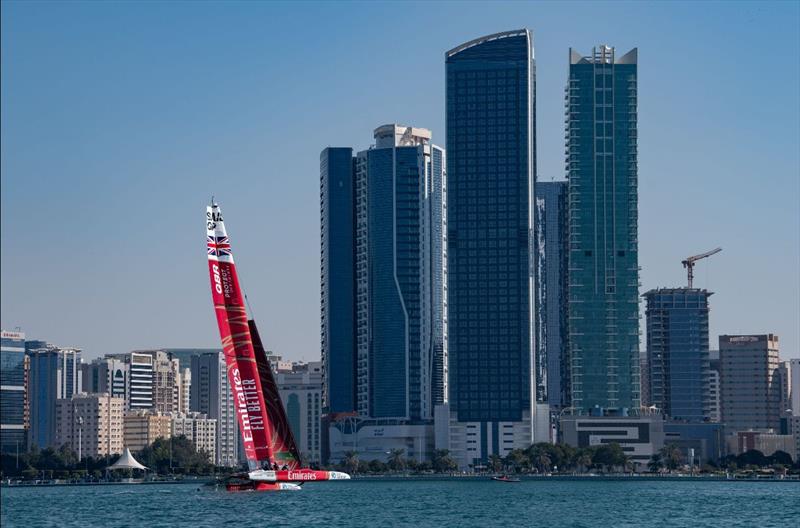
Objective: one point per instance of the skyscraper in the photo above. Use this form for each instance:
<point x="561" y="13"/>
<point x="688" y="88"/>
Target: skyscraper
<point x="54" y="374"/>
<point x="677" y="345"/>
<point x="13" y="401"/>
<point x="109" y="375"/>
<point x="211" y="395"/>
<point x="601" y="163"/>
<point x="337" y="277"/>
<point x="552" y="362"/>
<point x="400" y="302"/>
<point x="404" y="279"/>
<point x="491" y="168"/>
<point x="749" y="382"/>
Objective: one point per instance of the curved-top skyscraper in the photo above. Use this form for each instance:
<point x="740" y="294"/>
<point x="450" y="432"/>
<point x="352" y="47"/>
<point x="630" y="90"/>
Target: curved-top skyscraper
<point x="491" y="168"/>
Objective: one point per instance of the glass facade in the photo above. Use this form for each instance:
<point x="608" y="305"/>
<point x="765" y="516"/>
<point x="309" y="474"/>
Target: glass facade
<point x="603" y="289"/>
<point x="337" y="274"/>
<point x="677" y="346"/>
<point x="54" y="375"/>
<point x="13" y="430"/>
<point x="490" y="173"/>
<point x="405" y="272"/>
<point x="552" y="372"/>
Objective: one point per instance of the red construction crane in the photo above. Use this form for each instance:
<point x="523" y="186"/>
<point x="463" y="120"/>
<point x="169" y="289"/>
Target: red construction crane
<point x="688" y="263"/>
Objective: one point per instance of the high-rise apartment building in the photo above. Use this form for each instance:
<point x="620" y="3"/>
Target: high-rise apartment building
<point x="13" y="397"/>
<point x="54" y="374"/>
<point x="491" y="169"/>
<point x="677" y="346"/>
<point x="714" y="394"/>
<point x="794" y="386"/>
<point x="400" y="296"/>
<point x="211" y="395"/>
<point x="140" y="386"/>
<point x="603" y="273"/>
<point x="301" y="394"/>
<point x="90" y="424"/>
<point x="337" y="278"/>
<point x="142" y="428"/>
<point x="749" y="382"/>
<point x="403" y="250"/>
<point x="200" y="429"/>
<point x="785" y="380"/>
<point x="109" y="375"/>
<point x="552" y="362"/>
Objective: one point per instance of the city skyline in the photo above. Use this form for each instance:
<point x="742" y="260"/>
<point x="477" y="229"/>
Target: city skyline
<point x="134" y="193"/>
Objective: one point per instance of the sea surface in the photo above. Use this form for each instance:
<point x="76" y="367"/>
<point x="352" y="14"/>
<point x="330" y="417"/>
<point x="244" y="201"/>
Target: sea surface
<point x="417" y="503"/>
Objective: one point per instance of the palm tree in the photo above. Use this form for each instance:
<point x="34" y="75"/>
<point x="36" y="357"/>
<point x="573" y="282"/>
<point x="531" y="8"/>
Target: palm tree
<point x="396" y="460"/>
<point x="583" y="459"/>
<point x="496" y="463"/>
<point x="351" y="461"/>
<point x="443" y="462"/>
<point x="543" y="462"/>
<point x="672" y="456"/>
<point x="655" y="464"/>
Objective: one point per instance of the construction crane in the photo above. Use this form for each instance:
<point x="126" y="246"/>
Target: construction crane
<point x="688" y="263"/>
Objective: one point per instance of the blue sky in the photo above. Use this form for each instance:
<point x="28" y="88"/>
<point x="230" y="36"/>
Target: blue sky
<point x="120" y="120"/>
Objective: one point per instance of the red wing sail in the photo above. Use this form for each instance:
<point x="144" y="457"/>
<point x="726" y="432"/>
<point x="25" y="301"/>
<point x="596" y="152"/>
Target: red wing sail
<point x="284" y="448"/>
<point x="237" y="344"/>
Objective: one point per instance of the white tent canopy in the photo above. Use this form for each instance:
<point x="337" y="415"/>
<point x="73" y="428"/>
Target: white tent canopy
<point x="126" y="461"/>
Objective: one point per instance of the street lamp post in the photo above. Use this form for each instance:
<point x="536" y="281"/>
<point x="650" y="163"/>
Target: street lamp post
<point x="79" y="420"/>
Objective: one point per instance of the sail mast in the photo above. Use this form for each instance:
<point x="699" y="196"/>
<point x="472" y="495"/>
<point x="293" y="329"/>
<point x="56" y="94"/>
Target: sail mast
<point x="237" y="343"/>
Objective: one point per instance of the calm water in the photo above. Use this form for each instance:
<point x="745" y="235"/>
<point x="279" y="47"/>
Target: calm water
<point x="413" y="503"/>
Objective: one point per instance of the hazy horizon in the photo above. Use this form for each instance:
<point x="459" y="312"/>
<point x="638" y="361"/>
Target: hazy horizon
<point x="120" y="120"/>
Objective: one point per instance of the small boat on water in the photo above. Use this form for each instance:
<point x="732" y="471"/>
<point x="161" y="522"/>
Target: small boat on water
<point x="505" y="478"/>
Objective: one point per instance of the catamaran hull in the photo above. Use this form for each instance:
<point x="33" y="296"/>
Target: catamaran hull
<point x="263" y="486"/>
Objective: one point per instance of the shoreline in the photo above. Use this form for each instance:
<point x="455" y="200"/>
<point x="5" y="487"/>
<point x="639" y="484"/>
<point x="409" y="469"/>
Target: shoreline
<point x="204" y="480"/>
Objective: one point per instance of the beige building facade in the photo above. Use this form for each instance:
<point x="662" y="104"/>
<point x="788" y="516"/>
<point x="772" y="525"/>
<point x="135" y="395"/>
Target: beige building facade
<point x="142" y="428"/>
<point x="90" y="424"/>
<point x="200" y="429"/>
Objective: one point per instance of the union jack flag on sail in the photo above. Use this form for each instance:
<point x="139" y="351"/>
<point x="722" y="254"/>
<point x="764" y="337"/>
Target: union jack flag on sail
<point x="218" y="246"/>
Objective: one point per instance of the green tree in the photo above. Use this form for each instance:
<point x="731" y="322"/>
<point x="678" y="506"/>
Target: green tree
<point x="519" y="460"/>
<point x="350" y="461"/>
<point x="443" y="462"/>
<point x="496" y="463"/>
<point x="582" y="459"/>
<point x="396" y="460"/>
<point x="671" y="457"/>
<point x="655" y="464"/>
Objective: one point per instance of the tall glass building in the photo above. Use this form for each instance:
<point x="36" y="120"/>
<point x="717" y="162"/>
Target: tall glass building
<point x="337" y="276"/>
<point x="404" y="312"/>
<point x="603" y="290"/>
<point x="13" y="401"/>
<point x="55" y="374"/>
<point x="491" y="168"/>
<point x="397" y="231"/>
<point x="552" y="362"/>
<point x="677" y="347"/>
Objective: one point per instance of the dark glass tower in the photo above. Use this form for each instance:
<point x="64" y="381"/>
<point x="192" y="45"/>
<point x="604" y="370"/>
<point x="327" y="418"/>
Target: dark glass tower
<point x="491" y="161"/>
<point x="603" y="247"/>
<point x="677" y="346"/>
<point x="337" y="274"/>
<point x="403" y="249"/>
<point x="13" y="426"/>
<point x="552" y="362"/>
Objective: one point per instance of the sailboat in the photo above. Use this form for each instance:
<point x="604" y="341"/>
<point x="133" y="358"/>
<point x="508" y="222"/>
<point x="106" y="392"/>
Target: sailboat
<point x="273" y="459"/>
